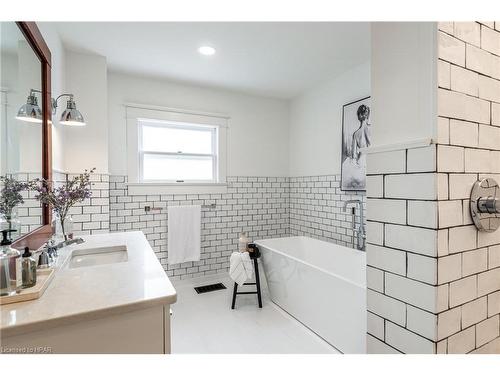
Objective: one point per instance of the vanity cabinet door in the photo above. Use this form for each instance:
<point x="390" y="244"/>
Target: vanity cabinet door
<point x="141" y="331"/>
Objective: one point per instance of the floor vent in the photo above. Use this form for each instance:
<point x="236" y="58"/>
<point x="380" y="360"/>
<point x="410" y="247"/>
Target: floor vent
<point x="209" y="288"/>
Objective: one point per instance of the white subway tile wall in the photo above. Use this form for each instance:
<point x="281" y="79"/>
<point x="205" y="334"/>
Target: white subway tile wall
<point x="92" y="215"/>
<point x="89" y="217"/>
<point x="402" y="252"/>
<point x="316" y="209"/>
<point x="262" y="206"/>
<point x="469" y="58"/>
<point x="29" y="213"/>
<point x="257" y="205"/>
<point x="424" y="253"/>
<point x="449" y="276"/>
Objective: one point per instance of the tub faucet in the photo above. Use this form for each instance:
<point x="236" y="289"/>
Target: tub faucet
<point x="360" y="231"/>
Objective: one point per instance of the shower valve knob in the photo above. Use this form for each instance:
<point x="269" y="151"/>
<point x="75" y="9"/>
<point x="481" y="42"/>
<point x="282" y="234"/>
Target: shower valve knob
<point x="484" y="205"/>
<point x="488" y="205"/>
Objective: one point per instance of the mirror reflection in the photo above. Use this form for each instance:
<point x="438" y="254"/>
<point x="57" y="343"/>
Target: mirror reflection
<point x="20" y="132"/>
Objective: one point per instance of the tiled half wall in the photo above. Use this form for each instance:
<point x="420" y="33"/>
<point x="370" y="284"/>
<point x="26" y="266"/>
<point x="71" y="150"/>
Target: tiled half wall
<point x="30" y="212"/>
<point x="92" y="215"/>
<point x="316" y="209"/>
<point x="89" y="217"/>
<point x="262" y="206"/>
<point x="257" y="205"/>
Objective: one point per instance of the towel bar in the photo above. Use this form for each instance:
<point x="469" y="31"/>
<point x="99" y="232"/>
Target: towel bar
<point x="149" y="208"/>
<point x="213" y="205"/>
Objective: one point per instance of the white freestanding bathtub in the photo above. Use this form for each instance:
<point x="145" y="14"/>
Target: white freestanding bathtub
<point x="322" y="285"/>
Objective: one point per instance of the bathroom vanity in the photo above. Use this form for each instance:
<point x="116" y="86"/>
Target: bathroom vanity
<point x="108" y="295"/>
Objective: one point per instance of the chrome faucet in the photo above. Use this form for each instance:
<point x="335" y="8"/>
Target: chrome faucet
<point x="52" y="247"/>
<point x="360" y="231"/>
<point x="48" y="254"/>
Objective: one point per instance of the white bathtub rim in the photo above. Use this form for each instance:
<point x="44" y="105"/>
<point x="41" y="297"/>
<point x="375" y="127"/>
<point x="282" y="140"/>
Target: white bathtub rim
<point x="259" y="243"/>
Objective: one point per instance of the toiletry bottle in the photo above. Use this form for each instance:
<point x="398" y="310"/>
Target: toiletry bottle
<point x="6" y="287"/>
<point x="29" y="269"/>
<point x="11" y="264"/>
<point x="243" y="242"/>
<point x="44" y="260"/>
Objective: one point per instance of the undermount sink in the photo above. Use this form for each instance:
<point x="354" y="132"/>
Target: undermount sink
<point x="98" y="256"/>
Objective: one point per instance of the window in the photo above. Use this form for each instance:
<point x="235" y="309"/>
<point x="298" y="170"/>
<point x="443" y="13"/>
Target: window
<point x="177" y="152"/>
<point x="172" y="151"/>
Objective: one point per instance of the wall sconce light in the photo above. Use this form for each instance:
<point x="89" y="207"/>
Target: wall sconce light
<point x="70" y="116"/>
<point x="31" y="112"/>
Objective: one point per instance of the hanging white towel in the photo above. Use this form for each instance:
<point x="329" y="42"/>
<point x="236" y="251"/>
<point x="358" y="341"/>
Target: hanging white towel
<point x="184" y="232"/>
<point x="240" y="267"/>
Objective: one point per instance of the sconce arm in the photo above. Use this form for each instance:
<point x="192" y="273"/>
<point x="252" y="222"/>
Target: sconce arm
<point x="54" y="102"/>
<point x="60" y="96"/>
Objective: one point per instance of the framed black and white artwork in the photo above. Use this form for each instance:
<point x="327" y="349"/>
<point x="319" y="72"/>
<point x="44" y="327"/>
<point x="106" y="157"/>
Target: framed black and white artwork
<point x="355" y="137"/>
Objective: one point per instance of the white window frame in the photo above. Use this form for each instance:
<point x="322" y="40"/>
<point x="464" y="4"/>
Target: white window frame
<point x="135" y="114"/>
<point x="214" y="130"/>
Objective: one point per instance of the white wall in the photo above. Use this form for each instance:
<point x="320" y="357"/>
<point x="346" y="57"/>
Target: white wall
<point x="86" y="147"/>
<point x="9" y="129"/>
<point x="29" y="142"/>
<point x="258" y="128"/>
<point x="20" y="73"/>
<point x="268" y="137"/>
<point x="403" y="81"/>
<point x="77" y="148"/>
<point x="316" y="122"/>
<point x="58" y="86"/>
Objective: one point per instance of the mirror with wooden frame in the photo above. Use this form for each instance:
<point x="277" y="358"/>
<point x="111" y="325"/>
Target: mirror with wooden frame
<point x="25" y="129"/>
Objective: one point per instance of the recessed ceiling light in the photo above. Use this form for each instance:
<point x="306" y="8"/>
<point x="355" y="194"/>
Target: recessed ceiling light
<point x="206" y="50"/>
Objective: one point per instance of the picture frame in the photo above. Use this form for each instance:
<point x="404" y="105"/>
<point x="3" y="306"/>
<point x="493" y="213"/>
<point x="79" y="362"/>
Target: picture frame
<point x="356" y="137"/>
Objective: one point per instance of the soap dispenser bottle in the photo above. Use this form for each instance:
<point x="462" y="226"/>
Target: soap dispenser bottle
<point x="10" y="267"/>
<point x="28" y="269"/>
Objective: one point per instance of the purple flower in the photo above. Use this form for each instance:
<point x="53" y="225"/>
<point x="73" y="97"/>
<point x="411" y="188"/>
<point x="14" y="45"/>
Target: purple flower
<point x="10" y="194"/>
<point x="65" y="196"/>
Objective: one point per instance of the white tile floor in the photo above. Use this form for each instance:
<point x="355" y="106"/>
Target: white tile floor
<point x="205" y="323"/>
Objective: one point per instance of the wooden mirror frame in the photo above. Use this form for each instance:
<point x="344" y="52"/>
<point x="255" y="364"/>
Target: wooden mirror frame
<point x="39" y="236"/>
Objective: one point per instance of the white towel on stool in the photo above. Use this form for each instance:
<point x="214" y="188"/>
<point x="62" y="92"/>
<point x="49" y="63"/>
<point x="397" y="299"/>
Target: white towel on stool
<point x="184" y="234"/>
<point x="240" y="267"/>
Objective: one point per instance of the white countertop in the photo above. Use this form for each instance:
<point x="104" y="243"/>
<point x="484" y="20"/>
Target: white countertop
<point x="77" y="294"/>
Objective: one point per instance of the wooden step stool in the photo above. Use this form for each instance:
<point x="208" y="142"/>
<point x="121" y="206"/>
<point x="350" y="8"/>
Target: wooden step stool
<point x="254" y="256"/>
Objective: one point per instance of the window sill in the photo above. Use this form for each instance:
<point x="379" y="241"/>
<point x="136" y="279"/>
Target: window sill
<point x="156" y="188"/>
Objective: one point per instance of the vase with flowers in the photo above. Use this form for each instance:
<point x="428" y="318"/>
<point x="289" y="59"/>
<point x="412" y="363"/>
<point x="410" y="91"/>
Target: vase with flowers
<point x="64" y="196"/>
<point x="10" y="198"/>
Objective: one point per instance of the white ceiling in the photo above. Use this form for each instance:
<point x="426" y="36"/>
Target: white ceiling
<point x="271" y="59"/>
